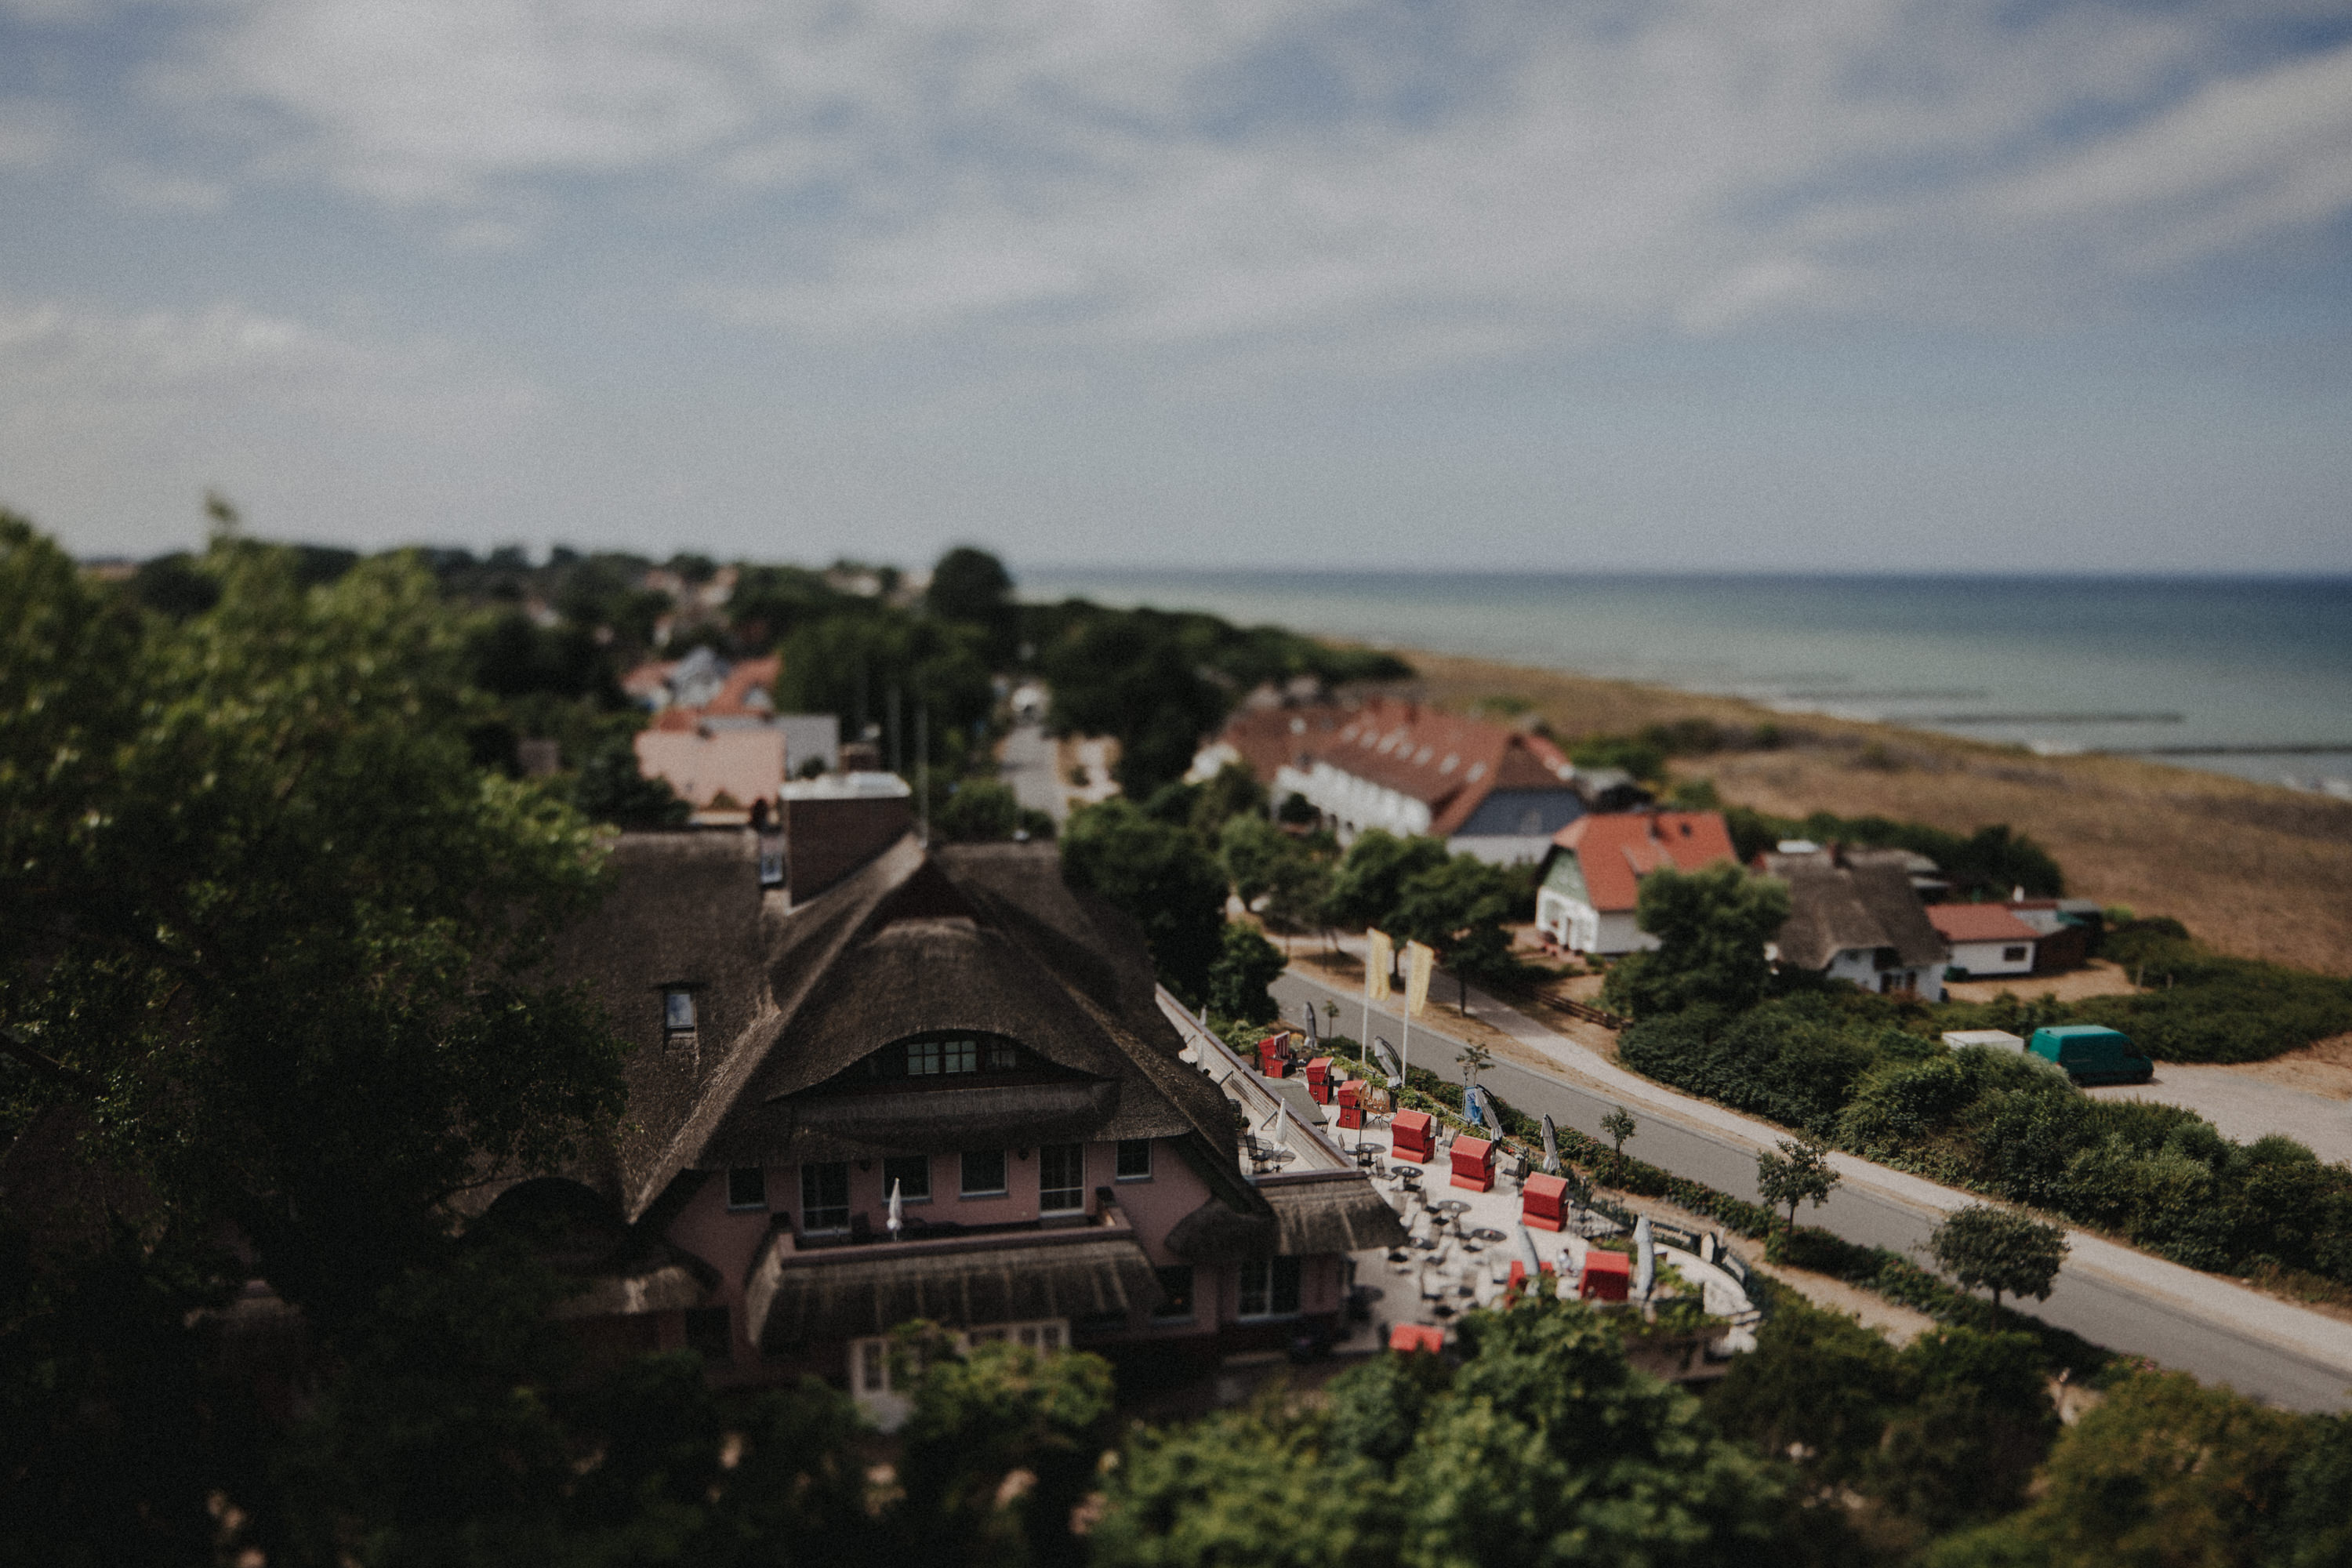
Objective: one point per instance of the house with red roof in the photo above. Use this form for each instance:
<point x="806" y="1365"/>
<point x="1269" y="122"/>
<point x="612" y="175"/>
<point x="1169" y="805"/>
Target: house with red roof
<point x="1593" y="875"/>
<point x="1987" y="940"/>
<point x="1487" y="789"/>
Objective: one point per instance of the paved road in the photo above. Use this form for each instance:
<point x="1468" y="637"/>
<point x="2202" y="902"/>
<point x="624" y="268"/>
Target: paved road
<point x="1030" y="763"/>
<point x="2246" y="1107"/>
<point x="2111" y="1295"/>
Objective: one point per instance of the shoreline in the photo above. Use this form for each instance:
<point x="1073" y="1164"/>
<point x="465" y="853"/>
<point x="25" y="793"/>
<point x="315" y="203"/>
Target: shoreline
<point x="2256" y="870"/>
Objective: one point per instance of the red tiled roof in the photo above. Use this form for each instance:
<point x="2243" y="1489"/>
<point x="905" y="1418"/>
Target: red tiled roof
<point x="1979" y="922"/>
<point x="1616" y="850"/>
<point x="1449" y="763"/>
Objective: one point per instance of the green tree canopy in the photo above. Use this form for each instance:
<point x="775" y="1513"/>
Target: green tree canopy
<point x="1161" y="877"/>
<point x="1369" y="886"/>
<point x="971" y="586"/>
<point x="2002" y="1250"/>
<point x="1800" y="1172"/>
<point x="1246" y="965"/>
<point x="270" y="925"/>
<point x="1711" y="926"/>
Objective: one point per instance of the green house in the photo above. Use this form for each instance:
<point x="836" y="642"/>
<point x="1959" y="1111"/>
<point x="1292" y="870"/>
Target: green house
<point x="2092" y="1052"/>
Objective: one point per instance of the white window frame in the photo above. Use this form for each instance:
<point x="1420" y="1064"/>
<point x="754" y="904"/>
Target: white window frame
<point x="807" y="1170"/>
<point x="1118" y="1170"/>
<point x="735" y="1207"/>
<point x="681" y="1013"/>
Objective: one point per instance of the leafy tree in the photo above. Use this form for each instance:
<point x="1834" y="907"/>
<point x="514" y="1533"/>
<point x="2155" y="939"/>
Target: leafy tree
<point x="1159" y="873"/>
<point x="612" y="787"/>
<point x="1231" y="792"/>
<point x="2162" y="1472"/>
<point x="1458" y="909"/>
<point x="1473" y="1060"/>
<point x="269" y="923"/>
<point x="972" y="587"/>
<point x="848" y="662"/>
<point x="2000" y="1249"/>
<point x="1800" y="1170"/>
<point x="1263" y="1486"/>
<point x="982" y="1421"/>
<point x="986" y="811"/>
<point x="1299" y="888"/>
<point x="1818" y="1381"/>
<point x="1247" y="964"/>
<point x="1620" y="1125"/>
<point x="468" y="1429"/>
<point x="1369" y="886"/>
<point x="1711" y="926"/>
<point x="1138" y="676"/>
<point x="1252" y="851"/>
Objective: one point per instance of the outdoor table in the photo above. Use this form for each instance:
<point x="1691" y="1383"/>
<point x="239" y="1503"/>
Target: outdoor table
<point x="1485" y="1234"/>
<point x="1409" y="1174"/>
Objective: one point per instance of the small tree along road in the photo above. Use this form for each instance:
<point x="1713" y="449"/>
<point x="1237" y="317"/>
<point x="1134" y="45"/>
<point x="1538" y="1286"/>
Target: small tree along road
<point x="1999" y="1248"/>
<point x="1799" y="1172"/>
<point x="1620" y="1125"/>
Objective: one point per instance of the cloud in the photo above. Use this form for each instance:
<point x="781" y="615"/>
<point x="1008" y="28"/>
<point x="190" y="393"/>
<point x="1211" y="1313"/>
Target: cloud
<point x="1178" y="173"/>
<point x="105" y="414"/>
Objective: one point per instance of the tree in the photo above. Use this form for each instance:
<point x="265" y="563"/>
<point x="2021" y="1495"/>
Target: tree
<point x="2000" y="1249"/>
<point x="1247" y="964"/>
<point x="1001" y="1446"/>
<point x="1621" y="1126"/>
<point x="1800" y="1170"/>
<point x="1711" y="926"/>
<point x="1459" y="903"/>
<point x="1370" y="883"/>
<point x="1161" y="877"/>
<point x="1231" y="792"/>
<point x="611" y="787"/>
<point x="1474" y="1060"/>
<point x="270" y="925"/>
<point x="981" y="811"/>
<point x="971" y="586"/>
<point x="1252" y="851"/>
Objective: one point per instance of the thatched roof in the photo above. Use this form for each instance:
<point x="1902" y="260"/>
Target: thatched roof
<point x="1329" y="1210"/>
<point x="795" y="1296"/>
<point x="1833" y="907"/>
<point x="986" y="939"/>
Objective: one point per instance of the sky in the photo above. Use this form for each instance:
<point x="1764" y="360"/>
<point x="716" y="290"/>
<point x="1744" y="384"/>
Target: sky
<point x="1799" y="285"/>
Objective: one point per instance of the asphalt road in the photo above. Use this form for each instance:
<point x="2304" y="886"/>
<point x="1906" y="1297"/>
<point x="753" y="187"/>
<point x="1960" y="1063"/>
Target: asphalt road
<point x="2158" y="1317"/>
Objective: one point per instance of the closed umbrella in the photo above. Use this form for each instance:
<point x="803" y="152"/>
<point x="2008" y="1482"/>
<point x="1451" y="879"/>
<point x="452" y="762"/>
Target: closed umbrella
<point x="1387" y="1054"/>
<point x="1313" y="1035"/>
<point x="1645" y="1259"/>
<point x="1551" y="1146"/>
<point x="897" y="1211"/>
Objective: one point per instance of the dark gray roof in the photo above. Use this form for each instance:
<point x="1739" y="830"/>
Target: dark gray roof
<point x="1832" y="908"/>
<point x="794" y="1297"/>
<point x="982" y="938"/>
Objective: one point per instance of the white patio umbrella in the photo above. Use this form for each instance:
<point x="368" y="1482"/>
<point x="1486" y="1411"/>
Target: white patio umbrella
<point x="1551" y="1146"/>
<point x="897" y="1211"/>
<point x="1645" y="1259"/>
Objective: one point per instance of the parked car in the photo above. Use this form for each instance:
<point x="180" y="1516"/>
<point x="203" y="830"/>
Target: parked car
<point x="2092" y="1052"/>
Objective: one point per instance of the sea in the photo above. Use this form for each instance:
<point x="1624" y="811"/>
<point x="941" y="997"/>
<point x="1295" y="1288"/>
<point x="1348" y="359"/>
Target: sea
<point x="2247" y="676"/>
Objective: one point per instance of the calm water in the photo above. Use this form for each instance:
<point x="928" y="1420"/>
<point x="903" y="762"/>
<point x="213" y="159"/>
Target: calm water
<point x="2061" y="664"/>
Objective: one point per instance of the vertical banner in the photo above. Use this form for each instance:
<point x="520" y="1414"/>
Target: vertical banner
<point x="1380" y="955"/>
<point x="1420" y="963"/>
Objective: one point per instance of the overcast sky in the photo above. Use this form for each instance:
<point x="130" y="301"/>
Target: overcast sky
<point x="1855" y="284"/>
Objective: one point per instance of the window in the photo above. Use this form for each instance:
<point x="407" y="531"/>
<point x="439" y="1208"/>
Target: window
<point x="2012" y="955"/>
<point x="1176" y="1293"/>
<point x="1269" y="1287"/>
<point x="1062" y="1178"/>
<point x="947" y="1056"/>
<point x="709" y="1332"/>
<point x="1134" y="1160"/>
<point x="912" y="1172"/>
<point x="677" y="1011"/>
<point x="747" y="1188"/>
<point x="825" y="1196"/>
<point x="771" y="859"/>
<point x="984" y="1173"/>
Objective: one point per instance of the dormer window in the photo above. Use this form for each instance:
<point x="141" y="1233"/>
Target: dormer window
<point x="677" y="1011"/>
<point x="947" y="1055"/>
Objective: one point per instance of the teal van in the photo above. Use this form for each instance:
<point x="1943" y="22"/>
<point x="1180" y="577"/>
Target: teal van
<point x="2092" y="1052"/>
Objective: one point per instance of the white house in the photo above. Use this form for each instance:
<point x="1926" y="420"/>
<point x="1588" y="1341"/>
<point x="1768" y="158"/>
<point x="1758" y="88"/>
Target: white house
<point x="1857" y="917"/>
<point x="1987" y="940"/>
<point x="1593" y="877"/>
